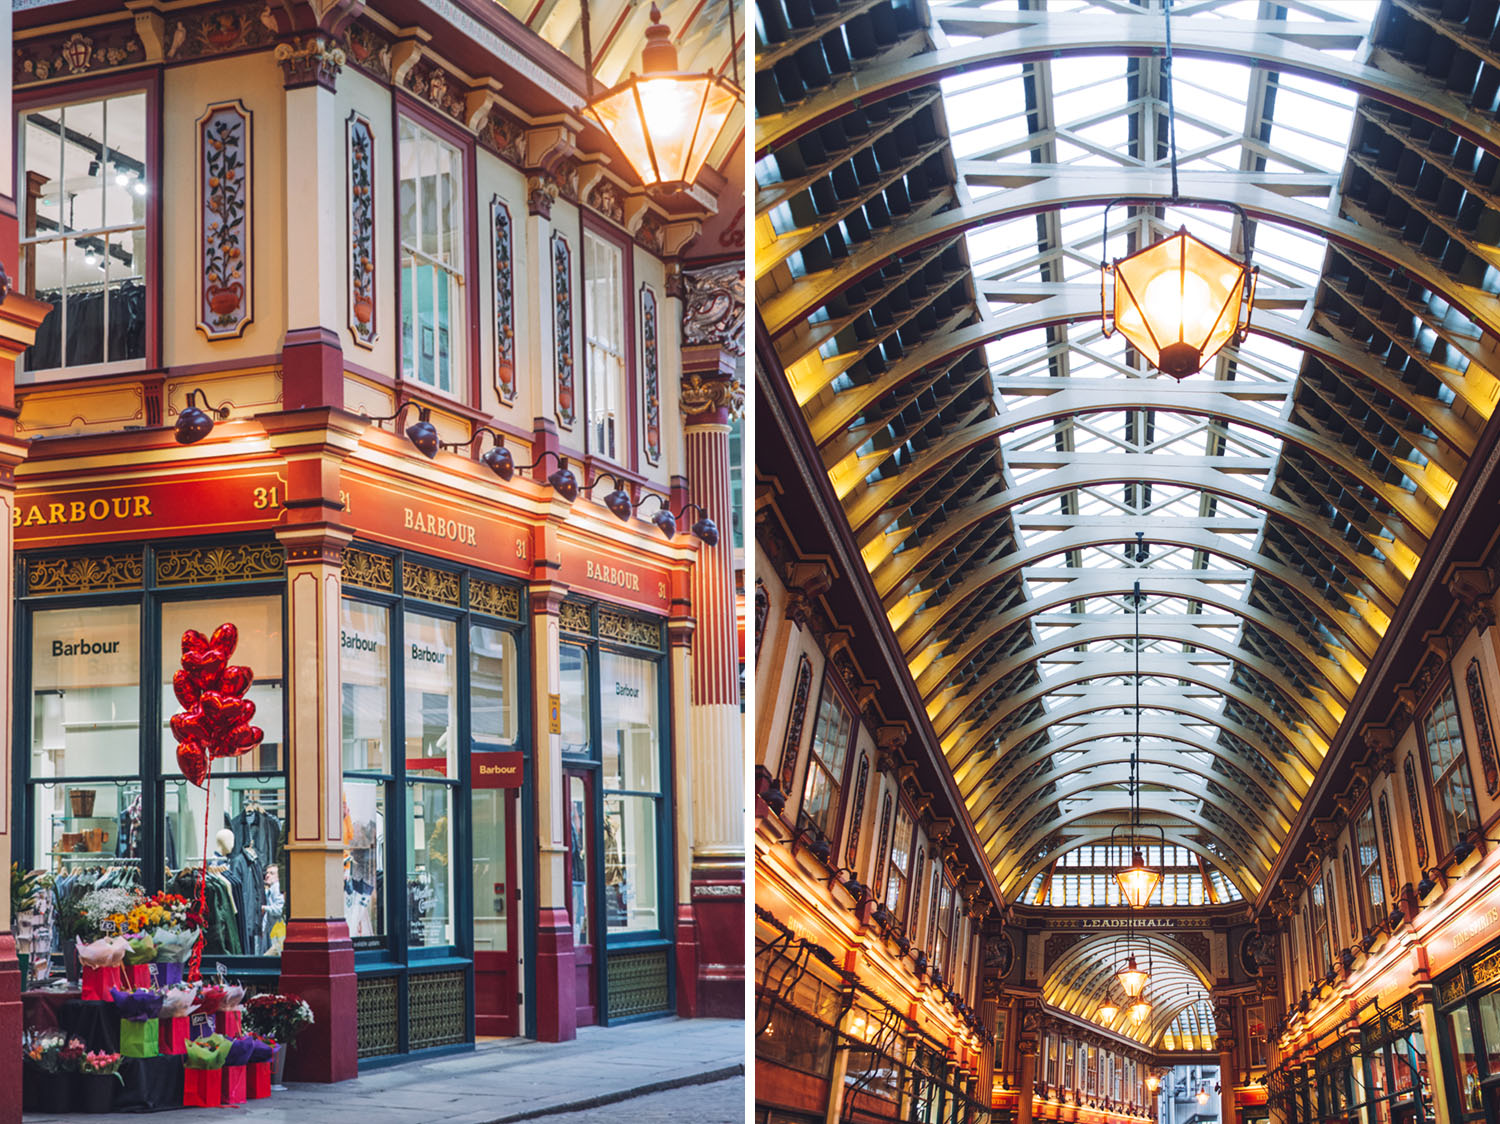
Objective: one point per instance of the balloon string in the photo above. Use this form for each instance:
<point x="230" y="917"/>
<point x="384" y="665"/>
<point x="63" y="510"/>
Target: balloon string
<point x="194" y="974"/>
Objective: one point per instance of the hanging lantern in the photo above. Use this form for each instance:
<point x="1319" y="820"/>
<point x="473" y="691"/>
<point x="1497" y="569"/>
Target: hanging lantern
<point x="1108" y="1011"/>
<point x="1139" y="1010"/>
<point x="1137" y="881"/>
<point x="1178" y="302"/>
<point x="1203" y="1095"/>
<point x="1153" y="1082"/>
<point x="1132" y="978"/>
<point x="665" y="121"/>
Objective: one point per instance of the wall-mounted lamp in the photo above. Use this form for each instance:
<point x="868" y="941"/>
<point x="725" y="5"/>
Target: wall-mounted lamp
<point x="617" y="502"/>
<point x="703" y="528"/>
<point x="561" y="479"/>
<point x="421" y="433"/>
<point x="194" y="424"/>
<point x="1427" y="885"/>
<point x="497" y="458"/>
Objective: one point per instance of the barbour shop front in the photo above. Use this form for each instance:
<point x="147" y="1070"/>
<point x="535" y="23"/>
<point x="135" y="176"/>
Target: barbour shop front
<point x="1397" y="1086"/>
<point x="1468" y="1008"/>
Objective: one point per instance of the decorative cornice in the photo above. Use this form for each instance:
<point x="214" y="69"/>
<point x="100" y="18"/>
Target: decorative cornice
<point x="314" y="61"/>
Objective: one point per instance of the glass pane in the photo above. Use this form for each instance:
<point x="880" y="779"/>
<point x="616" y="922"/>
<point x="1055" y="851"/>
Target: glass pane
<point x="365" y="678"/>
<point x="1466" y="1063"/>
<point x="259" y="622"/>
<point x="1489" y="1028"/>
<point x="630" y="874"/>
<point x="574" y="700"/>
<point x="78" y="825"/>
<point x="247" y="906"/>
<point x="492" y="685"/>
<point x="628" y="698"/>
<point x="85" y="683"/>
<point x="492" y="885"/>
<point x="43" y="268"/>
<point x="83" y="146"/>
<point x="578" y="866"/>
<point x="364" y="857"/>
<point x="429" y="871"/>
<point x="125" y="332"/>
<point x="431" y="659"/>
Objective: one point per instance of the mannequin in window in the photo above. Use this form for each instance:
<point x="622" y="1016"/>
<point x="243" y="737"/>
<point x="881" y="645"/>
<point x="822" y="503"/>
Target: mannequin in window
<point x="616" y="885"/>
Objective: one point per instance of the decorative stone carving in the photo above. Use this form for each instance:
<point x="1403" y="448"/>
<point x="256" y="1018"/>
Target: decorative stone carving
<point x="360" y="152"/>
<point x="700" y="396"/>
<point x="714" y="313"/>
<point x="541" y="193"/>
<point x="224" y="308"/>
<point x="314" y="61"/>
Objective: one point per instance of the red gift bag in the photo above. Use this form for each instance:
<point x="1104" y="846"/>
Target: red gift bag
<point x="234" y="1084"/>
<point x="98" y="981"/>
<point x="172" y="1036"/>
<point x="136" y="975"/>
<point x="257" y="1080"/>
<point x="230" y="1023"/>
<point x="202" y="1088"/>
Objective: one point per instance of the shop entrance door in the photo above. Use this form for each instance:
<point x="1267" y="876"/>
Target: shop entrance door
<point x="497" y="902"/>
<point x="581" y="893"/>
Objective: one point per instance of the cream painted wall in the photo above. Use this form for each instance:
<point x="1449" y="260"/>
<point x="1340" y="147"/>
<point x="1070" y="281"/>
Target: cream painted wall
<point x="256" y="81"/>
<point x="495" y="177"/>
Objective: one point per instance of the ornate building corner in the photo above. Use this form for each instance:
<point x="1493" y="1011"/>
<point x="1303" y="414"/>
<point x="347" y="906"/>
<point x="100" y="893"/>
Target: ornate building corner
<point x="314" y="61"/>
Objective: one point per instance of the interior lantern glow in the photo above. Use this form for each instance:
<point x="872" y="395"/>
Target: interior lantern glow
<point x="1178" y="302"/>
<point x="1153" y="1082"/>
<point x="1139" y="1010"/>
<point x="1132" y="978"/>
<point x="1108" y="1011"/>
<point x="1137" y="881"/>
<point x="665" y="121"/>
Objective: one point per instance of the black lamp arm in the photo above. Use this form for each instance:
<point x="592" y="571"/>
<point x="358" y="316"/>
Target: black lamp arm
<point x="480" y="431"/>
<point x="401" y="409"/>
<point x="220" y="412"/>
<point x="562" y="461"/>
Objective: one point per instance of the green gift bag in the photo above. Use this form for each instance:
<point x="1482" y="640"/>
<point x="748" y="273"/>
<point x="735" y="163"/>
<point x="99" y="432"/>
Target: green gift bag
<point x="138" y="1039"/>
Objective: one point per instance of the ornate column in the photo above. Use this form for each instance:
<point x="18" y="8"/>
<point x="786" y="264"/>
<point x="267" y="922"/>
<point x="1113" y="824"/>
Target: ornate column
<point x="1229" y="1112"/>
<point x="680" y="670"/>
<point x="19" y="318"/>
<point x="315" y="200"/>
<point x="317" y="960"/>
<point x="1026" y="1049"/>
<point x="556" y="979"/>
<point x="712" y="400"/>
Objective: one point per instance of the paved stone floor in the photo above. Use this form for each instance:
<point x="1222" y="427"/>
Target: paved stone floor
<point x="679" y="1069"/>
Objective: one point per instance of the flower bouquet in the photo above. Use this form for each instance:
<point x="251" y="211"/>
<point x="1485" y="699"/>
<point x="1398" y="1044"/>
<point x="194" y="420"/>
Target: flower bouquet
<point x="177" y="1003"/>
<point x="231" y="1017"/>
<point x="173" y="947"/>
<point x="101" y="960"/>
<point x="240" y="1051"/>
<point x="258" y="1068"/>
<point x="281" y="1017"/>
<point x="139" y="1031"/>
<point x="99" y="1074"/>
<point x="55" y="1058"/>
<point x="138" y="958"/>
<point x="202" y="1079"/>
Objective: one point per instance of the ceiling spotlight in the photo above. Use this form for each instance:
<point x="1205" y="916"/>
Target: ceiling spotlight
<point x="1462" y="851"/>
<point x="140" y="187"/>
<point x="194" y="424"/>
<point x="90" y="257"/>
<point x="93" y="168"/>
<point x="704" y="528"/>
<point x="1426" y="885"/>
<point x="122" y="178"/>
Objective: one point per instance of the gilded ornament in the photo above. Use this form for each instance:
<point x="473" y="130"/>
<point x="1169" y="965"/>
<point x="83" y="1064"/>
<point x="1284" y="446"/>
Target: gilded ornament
<point x="430" y="584"/>
<point x="246" y="562"/>
<point x="700" y="395"/>
<point x="373" y="571"/>
<point x="84" y="575"/>
<point x="494" y="599"/>
<point x="629" y="630"/>
<point x="574" y="617"/>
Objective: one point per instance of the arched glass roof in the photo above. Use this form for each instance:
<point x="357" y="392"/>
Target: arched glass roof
<point x="932" y="182"/>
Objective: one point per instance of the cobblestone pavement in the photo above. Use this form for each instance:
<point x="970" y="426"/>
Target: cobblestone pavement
<point x="722" y="1102"/>
<point x="515" y="1079"/>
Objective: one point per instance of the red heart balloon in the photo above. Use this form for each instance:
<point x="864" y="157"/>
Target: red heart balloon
<point x="243" y="737"/>
<point x="225" y="638"/>
<point x="210" y="661"/>
<point x="186" y="690"/>
<point x="188" y="725"/>
<point x="193" y="642"/>
<point x="193" y="762"/>
<point x="236" y="680"/>
<point x="221" y="712"/>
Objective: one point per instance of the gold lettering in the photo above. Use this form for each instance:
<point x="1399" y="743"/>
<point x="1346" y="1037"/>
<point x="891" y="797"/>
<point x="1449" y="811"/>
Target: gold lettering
<point x="75" y="511"/>
<point x="35" y="516"/>
<point x="408" y="518"/>
<point x="98" y="509"/>
<point x="142" y="506"/>
<point x="122" y="507"/>
<point x="55" y="513"/>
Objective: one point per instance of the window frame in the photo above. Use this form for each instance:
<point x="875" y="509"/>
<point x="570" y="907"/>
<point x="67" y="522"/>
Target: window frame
<point x="30" y="99"/>
<point x="466" y="373"/>
<point x="627" y="440"/>
<point x="1373" y="912"/>
<point x="1436" y="806"/>
<point x="902" y="904"/>
<point x="1320" y="923"/>
<point x="833" y="832"/>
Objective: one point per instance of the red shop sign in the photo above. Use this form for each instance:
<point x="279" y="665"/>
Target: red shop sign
<point x="632" y="579"/>
<point x="496" y="770"/>
<point x="234" y="500"/>
<point x="434" y="523"/>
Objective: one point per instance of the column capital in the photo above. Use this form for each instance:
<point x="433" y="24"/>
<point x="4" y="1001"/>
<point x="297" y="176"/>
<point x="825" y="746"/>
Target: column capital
<point x="307" y="543"/>
<point x="546" y="597"/>
<point x="313" y="61"/>
<point x="680" y="631"/>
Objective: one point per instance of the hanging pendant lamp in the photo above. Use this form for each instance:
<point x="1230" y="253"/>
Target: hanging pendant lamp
<point x="1108" y="1011"/>
<point x="664" y="120"/>
<point x="1179" y="300"/>
<point x="1132" y="978"/>
<point x="1140" y="1010"/>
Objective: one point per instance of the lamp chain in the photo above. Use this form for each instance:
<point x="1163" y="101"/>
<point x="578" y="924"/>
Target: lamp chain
<point x="1166" y="79"/>
<point x="734" y="54"/>
<point x="588" y="54"/>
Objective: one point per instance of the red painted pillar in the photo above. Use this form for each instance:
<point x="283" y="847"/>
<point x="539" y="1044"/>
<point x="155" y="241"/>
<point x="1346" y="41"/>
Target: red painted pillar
<point x="556" y="995"/>
<point x="712" y="400"/>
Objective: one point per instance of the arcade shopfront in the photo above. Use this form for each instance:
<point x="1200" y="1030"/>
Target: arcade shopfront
<point x="439" y="801"/>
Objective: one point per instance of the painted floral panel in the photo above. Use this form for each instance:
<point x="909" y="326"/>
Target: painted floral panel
<point x="651" y="367"/>
<point x="562" y="327"/>
<point x="224" y="220"/>
<point x="361" y="154"/>
<point x="505" y="301"/>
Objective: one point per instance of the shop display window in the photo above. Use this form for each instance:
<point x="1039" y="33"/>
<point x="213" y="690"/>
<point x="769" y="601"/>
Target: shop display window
<point x="365" y="689"/>
<point x="629" y="710"/>
<point x="493" y="694"/>
<point x="364" y="859"/>
<point x="1461" y="1037"/>
<point x="429" y="864"/>
<point x="573" y="700"/>
<point x="430" y="675"/>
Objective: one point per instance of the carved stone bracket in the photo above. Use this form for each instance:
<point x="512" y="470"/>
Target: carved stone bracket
<point x="314" y="61"/>
<point x="706" y="396"/>
<point x="891" y="743"/>
<point x="805" y="583"/>
<point x="1474" y="588"/>
<point x="714" y="308"/>
<point x="541" y="193"/>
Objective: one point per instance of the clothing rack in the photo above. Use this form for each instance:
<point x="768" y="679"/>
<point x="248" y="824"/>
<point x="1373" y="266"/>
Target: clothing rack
<point x="97" y="860"/>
